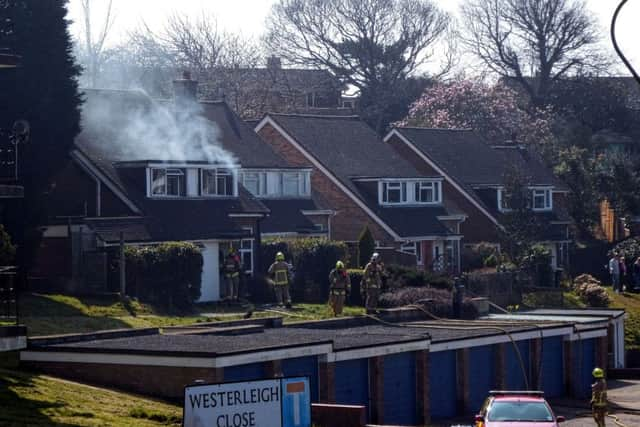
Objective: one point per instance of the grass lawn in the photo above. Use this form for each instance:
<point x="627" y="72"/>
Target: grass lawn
<point x="36" y="400"/>
<point x="631" y="303"/>
<point x="63" y="314"/>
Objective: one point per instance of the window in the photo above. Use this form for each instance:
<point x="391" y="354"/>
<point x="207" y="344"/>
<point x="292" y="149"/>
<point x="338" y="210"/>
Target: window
<point x="427" y="192"/>
<point x="413" y="248"/>
<point x="167" y="182"/>
<point x="290" y="184"/>
<point x="217" y="182"/>
<point x="311" y="99"/>
<point x="252" y="182"/>
<point x="246" y="254"/>
<point x="394" y="192"/>
<point x="541" y="199"/>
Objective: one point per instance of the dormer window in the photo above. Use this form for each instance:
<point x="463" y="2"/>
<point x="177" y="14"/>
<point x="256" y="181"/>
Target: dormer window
<point x="217" y="182"/>
<point x="168" y="182"/>
<point x="542" y="199"/>
<point x="410" y="192"/>
<point x="277" y="183"/>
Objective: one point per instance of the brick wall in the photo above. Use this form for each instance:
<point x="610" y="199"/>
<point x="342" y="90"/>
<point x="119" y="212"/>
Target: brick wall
<point x="350" y="219"/>
<point x="477" y="227"/>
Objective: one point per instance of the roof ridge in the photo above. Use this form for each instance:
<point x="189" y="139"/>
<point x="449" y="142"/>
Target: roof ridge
<point x="315" y="116"/>
<point x="436" y="129"/>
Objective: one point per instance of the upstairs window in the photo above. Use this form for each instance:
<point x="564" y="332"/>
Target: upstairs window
<point x="541" y="199"/>
<point x="217" y="182"/>
<point x="427" y="192"/>
<point x="275" y="184"/>
<point x="167" y="182"/>
<point x="290" y="184"/>
<point x="394" y="192"/>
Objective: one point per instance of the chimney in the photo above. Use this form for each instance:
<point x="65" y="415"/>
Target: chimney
<point x="184" y="89"/>
<point x="274" y="62"/>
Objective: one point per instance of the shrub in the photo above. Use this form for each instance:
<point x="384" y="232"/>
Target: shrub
<point x="474" y="256"/>
<point x="490" y="261"/>
<point x="400" y="276"/>
<point x="312" y="260"/>
<point x="366" y="246"/>
<point x="590" y="291"/>
<point x="168" y="273"/>
<point x="7" y="249"/>
<point x="355" y="298"/>
<point x="441" y="301"/>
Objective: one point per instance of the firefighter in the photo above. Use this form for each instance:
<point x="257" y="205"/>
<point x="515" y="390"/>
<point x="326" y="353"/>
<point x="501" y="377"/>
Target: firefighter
<point x="281" y="278"/>
<point x="339" y="287"/>
<point x="231" y="269"/>
<point x="599" y="397"/>
<point x="372" y="282"/>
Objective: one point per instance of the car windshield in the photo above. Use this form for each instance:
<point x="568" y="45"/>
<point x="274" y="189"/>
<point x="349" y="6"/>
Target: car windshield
<point x="519" y="411"/>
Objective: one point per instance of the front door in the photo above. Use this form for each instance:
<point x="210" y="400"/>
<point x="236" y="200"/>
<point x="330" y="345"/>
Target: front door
<point x="210" y="287"/>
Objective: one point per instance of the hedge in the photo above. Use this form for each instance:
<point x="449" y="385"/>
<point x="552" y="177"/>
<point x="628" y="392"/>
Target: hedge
<point x="312" y="260"/>
<point x="169" y="274"/>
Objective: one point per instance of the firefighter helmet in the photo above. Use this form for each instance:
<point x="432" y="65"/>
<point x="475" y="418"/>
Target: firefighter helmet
<point x="598" y="373"/>
<point x="339" y="265"/>
<point x="375" y="256"/>
<point x="279" y="256"/>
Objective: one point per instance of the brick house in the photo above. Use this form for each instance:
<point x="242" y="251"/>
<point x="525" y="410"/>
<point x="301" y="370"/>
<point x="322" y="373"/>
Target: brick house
<point x="121" y="184"/>
<point x="473" y="180"/>
<point x="367" y="183"/>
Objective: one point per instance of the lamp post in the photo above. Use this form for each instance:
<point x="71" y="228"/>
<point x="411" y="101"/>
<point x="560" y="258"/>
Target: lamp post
<point x="615" y="42"/>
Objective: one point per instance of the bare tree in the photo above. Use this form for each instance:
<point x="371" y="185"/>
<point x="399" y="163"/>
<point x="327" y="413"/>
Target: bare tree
<point x="92" y="45"/>
<point x="374" y="45"/>
<point x="533" y="42"/>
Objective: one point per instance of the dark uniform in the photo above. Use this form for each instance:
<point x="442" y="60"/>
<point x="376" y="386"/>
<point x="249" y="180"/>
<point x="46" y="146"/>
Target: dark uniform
<point x="231" y="270"/>
<point x="340" y="285"/>
<point x="279" y="271"/>
<point x="599" y="401"/>
<point x="372" y="284"/>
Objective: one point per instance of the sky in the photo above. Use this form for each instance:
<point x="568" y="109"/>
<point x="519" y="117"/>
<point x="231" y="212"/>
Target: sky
<point x="248" y="16"/>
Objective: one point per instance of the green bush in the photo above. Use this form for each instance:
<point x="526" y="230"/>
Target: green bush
<point x="366" y="246"/>
<point x="400" y="276"/>
<point x="355" y="274"/>
<point x="490" y="261"/>
<point x="474" y="256"/>
<point x="312" y="260"/>
<point x="7" y="249"/>
<point x="169" y="273"/>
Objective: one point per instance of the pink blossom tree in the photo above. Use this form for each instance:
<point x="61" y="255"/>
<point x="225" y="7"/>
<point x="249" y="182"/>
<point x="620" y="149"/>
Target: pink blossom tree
<point x="493" y="111"/>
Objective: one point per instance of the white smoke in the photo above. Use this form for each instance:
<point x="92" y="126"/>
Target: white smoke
<point x="130" y="126"/>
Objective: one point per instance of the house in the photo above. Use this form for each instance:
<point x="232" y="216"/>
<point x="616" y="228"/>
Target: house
<point x="367" y="183"/>
<point x="144" y="172"/>
<point x="474" y="181"/>
<point x="253" y="91"/>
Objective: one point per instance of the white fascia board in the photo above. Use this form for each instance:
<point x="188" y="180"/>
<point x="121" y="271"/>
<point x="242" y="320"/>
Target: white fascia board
<point x="88" y="167"/>
<point x="246" y="215"/>
<point x="156" y="165"/>
<point x="460" y="217"/>
<point x="268" y="120"/>
<point x="319" y="212"/>
<point x="430" y="238"/>
<point x="401" y="179"/>
<point x="443" y="173"/>
<point x="577" y="336"/>
<point x="499" y="339"/>
<point x="158" y="242"/>
<point x="265" y="356"/>
<point x="174" y="361"/>
<point x="13" y="343"/>
<point x="364" y="353"/>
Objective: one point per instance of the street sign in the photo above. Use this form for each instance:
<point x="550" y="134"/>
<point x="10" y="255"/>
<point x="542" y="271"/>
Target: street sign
<point x="282" y="402"/>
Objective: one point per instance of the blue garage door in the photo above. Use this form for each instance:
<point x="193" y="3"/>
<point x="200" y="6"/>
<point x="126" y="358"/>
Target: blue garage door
<point x="481" y="375"/>
<point x="583" y="363"/>
<point x="513" y="373"/>
<point x="254" y="371"/>
<point x="303" y="367"/>
<point x="552" y="372"/>
<point x="400" y="389"/>
<point x="442" y="384"/>
<point x="352" y="382"/>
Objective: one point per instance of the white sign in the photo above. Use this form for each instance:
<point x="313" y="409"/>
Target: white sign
<point x="265" y="403"/>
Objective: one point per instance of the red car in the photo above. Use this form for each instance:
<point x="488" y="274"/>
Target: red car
<point x="516" y="409"/>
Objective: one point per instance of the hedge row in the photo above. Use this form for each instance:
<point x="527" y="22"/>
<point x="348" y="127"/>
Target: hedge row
<point x="169" y="274"/>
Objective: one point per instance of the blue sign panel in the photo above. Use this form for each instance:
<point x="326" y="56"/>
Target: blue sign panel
<point x="296" y="402"/>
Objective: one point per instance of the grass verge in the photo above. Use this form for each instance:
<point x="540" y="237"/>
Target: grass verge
<point x="37" y="400"/>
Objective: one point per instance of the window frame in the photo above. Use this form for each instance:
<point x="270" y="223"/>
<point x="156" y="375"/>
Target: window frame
<point x="436" y="192"/>
<point x="168" y="173"/>
<point x="218" y="173"/>
<point x="279" y="177"/>
<point x="544" y="193"/>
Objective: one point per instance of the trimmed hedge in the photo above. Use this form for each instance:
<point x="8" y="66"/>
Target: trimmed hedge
<point x="168" y="274"/>
<point x="312" y="260"/>
<point x="399" y="277"/>
<point x="441" y="301"/>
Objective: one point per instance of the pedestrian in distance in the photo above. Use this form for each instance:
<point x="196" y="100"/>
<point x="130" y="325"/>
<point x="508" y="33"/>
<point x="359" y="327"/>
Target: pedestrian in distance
<point x="339" y="288"/>
<point x="372" y="282"/>
<point x="599" y="397"/>
<point x="623" y="274"/>
<point x="281" y="279"/>
<point x="231" y="270"/>
<point x="614" y="272"/>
